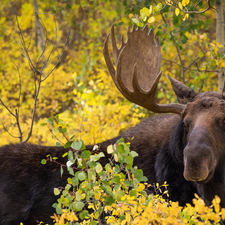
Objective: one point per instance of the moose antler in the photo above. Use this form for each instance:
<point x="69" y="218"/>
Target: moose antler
<point x="138" y="69"/>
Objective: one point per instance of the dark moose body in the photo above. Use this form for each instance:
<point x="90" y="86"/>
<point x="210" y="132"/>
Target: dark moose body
<point x="186" y="149"/>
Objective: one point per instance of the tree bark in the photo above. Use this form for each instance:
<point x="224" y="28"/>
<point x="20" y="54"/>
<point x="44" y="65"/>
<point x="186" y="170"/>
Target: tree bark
<point x="220" y="40"/>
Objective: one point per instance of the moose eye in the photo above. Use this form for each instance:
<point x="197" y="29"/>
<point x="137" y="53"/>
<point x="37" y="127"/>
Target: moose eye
<point x="223" y="122"/>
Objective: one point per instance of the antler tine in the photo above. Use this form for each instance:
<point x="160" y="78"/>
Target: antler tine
<point x="138" y="69"/>
<point x="107" y="58"/>
<point x="149" y="101"/>
<point x="115" y="49"/>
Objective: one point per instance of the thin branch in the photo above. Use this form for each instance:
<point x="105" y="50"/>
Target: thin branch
<point x="63" y="50"/>
<point x="178" y="51"/>
<point x="197" y="69"/>
<point x="8" y="131"/>
<point x="18" y="126"/>
<point x="7" y="108"/>
<point x="194" y="12"/>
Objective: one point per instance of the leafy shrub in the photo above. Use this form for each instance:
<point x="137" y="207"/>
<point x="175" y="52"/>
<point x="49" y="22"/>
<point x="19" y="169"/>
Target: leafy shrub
<point x="112" y="191"/>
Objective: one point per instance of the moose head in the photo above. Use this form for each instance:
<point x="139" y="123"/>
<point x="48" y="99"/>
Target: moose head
<point x="137" y="75"/>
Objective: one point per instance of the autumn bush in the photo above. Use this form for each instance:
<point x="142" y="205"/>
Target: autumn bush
<point x="116" y="192"/>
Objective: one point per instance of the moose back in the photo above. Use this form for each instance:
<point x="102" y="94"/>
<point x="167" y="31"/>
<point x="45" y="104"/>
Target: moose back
<point x="185" y="148"/>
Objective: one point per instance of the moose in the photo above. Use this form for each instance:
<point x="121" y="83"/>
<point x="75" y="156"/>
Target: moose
<point x="184" y="148"/>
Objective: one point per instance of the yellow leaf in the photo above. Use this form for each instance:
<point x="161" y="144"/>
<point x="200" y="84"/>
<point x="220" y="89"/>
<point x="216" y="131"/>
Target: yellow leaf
<point x="131" y="15"/>
<point x="141" y="187"/>
<point x="223" y="213"/>
<point x="169" y="2"/>
<point x="110" y="149"/>
<point x="151" y="19"/>
<point x="185" y="17"/>
<point x="150" y="9"/>
<point x="97" y="195"/>
<point x="180" y="5"/>
<point x="185" y="2"/>
<point x="177" y="11"/>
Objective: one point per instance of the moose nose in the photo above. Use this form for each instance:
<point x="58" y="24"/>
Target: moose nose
<point x="196" y="163"/>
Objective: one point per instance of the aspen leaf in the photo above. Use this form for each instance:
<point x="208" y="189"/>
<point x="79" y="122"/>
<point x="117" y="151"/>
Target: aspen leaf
<point x="151" y="19"/>
<point x="169" y="2"/>
<point x="43" y="161"/>
<point x="185" y="2"/>
<point x="131" y="15"/>
<point x="177" y="11"/>
<point x="185" y="17"/>
<point x="150" y="9"/>
<point x="110" y="149"/>
<point x="56" y="191"/>
<point x="98" y="168"/>
<point x="141" y="187"/>
<point x="180" y="5"/>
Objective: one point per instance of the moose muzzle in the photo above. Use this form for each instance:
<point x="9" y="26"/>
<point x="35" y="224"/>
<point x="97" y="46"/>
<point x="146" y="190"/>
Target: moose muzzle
<point x="198" y="157"/>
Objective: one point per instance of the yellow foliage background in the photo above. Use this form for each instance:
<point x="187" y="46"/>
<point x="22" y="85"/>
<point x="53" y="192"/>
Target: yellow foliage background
<point x="80" y="89"/>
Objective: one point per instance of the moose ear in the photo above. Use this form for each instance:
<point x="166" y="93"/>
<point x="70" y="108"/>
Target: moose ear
<point x="184" y="93"/>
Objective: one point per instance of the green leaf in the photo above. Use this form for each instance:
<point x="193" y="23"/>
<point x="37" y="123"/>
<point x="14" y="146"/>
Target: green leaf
<point x="43" y="124"/>
<point x="109" y="200"/>
<point x="129" y="159"/>
<point x="71" y="172"/>
<point x="43" y="161"/>
<point x="57" y="118"/>
<point x="120" y="148"/>
<point x="120" y="140"/>
<point x="94" y="158"/>
<point x="50" y="120"/>
<point x="108" y="167"/>
<point x="91" y="174"/>
<point x="62" y="130"/>
<point x="70" y="156"/>
<point x="101" y="154"/>
<point x="58" y="143"/>
<point x="61" y="171"/>
<point x="85" y="154"/>
<point x="78" y="145"/>
<point x="56" y="191"/>
<point x="78" y="206"/>
<point x="118" y="195"/>
<point x="58" y="210"/>
<point x="78" y="196"/>
<point x="134" y="154"/>
<point x="54" y="205"/>
<point x="81" y="175"/>
<point x="98" y="168"/>
<point x="65" y="154"/>
<point x="158" y="7"/>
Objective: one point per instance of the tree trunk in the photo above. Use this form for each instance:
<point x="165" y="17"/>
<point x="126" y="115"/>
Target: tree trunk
<point x="220" y="40"/>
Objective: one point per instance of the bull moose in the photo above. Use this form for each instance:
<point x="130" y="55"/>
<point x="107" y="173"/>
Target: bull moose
<point x="184" y="148"/>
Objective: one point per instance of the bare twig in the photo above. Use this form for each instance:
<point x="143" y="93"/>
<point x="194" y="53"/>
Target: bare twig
<point x="187" y="68"/>
<point x="37" y="74"/>
<point x="193" y="11"/>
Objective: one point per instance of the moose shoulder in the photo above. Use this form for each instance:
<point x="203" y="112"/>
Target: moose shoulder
<point x="185" y="148"/>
